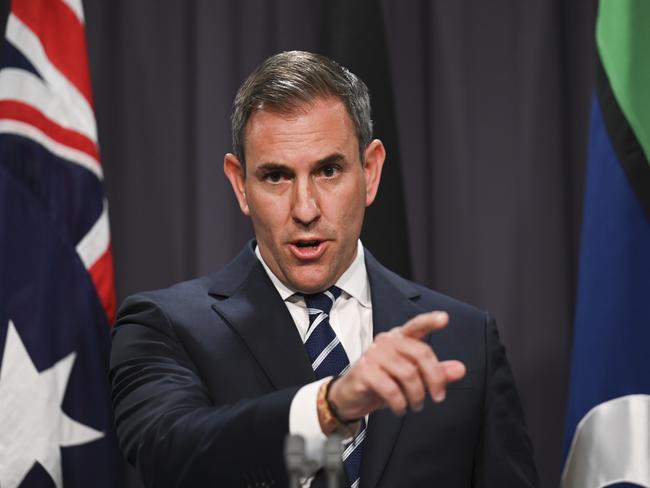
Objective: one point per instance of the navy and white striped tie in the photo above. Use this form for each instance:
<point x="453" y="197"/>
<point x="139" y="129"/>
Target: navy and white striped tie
<point x="328" y="358"/>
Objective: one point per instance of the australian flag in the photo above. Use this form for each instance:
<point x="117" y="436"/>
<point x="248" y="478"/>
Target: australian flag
<point x="56" y="273"/>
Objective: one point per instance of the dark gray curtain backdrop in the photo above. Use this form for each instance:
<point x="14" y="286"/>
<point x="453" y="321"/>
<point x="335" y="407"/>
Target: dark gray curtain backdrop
<point x="491" y="107"/>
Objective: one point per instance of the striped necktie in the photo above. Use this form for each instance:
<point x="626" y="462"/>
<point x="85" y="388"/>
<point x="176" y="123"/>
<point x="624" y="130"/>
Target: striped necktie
<point x="328" y="358"/>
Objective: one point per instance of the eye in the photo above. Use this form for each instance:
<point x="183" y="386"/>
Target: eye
<point x="274" y="176"/>
<point x="330" y="171"/>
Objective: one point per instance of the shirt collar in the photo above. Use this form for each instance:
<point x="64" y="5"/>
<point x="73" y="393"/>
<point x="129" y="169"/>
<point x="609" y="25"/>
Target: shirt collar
<point x="284" y="291"/>
<point x="353" y="281"/>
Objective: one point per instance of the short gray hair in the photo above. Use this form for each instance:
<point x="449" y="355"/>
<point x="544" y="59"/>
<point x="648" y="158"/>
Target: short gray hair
<point x="287" y="81"/>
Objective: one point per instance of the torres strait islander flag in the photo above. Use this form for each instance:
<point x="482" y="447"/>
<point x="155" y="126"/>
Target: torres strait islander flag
<point x="56" y="279"/>
<point x="608" y="419"/>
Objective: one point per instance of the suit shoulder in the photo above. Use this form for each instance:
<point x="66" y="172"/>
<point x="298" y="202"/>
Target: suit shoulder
<point x="182" y="295"/>
<point x="430" y="297"/>
<point x="190" y="301"/>
<point x="427" y="298"/>
<point x="202" y="289"/>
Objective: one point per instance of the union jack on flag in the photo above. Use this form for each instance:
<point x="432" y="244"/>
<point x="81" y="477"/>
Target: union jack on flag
<point x="57" y="294"/>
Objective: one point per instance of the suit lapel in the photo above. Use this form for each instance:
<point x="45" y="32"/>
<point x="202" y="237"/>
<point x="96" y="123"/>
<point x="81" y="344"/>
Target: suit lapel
<point x="392" y="305"/>
<point x="253" y="309"/>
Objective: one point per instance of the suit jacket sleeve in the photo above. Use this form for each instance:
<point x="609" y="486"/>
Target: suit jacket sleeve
<point x="167" y="423"/>
<point x="504" y="453"/>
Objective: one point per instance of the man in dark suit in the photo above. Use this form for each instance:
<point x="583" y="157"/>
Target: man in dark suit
<point x="305" y="332"/>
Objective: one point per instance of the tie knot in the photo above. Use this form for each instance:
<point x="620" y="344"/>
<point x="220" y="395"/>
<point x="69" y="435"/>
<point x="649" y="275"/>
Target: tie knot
<point x="322" y="301"/>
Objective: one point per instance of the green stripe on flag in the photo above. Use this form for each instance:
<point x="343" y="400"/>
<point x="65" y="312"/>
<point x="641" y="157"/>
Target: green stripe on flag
<point x="623" y="40"/>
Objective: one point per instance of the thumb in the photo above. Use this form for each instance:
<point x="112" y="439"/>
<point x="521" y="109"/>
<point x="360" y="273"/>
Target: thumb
<point x="455" y="370"/>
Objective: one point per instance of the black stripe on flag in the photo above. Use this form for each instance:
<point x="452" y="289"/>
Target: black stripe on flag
<point x="630" y="153"/>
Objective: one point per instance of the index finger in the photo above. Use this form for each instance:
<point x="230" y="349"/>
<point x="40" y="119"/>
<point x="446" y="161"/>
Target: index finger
<point x="422" y="324"/>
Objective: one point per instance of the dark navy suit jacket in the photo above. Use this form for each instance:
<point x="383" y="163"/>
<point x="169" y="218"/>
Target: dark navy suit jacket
<point x="203" y="374"/>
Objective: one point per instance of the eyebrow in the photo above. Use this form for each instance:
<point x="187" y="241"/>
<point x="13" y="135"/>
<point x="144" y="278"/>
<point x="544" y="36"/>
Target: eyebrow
<point x="269" y="167"/>
<point x="332" y="158"/>
<point x="273" y="166"/>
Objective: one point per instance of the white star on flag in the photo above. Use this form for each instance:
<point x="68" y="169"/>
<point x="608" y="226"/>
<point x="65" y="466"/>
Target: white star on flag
<point x="33" y="428"/>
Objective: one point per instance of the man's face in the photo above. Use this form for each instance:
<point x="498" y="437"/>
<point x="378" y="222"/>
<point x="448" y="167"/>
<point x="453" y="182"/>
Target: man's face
<point x="306" y="191"/>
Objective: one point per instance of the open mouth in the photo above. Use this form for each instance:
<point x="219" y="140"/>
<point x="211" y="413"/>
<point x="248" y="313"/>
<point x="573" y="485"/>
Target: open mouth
<point x="303" y="244"/>
<point x="308" y="249"/>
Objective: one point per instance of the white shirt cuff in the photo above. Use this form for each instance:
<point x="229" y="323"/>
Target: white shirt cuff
<point x="303" y="420"/>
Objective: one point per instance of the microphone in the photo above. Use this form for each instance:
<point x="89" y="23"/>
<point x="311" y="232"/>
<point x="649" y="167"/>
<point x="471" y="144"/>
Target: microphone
<point x="299" y="466"/>
<point x="295" y="459"/>
<point x="333" y="460"/>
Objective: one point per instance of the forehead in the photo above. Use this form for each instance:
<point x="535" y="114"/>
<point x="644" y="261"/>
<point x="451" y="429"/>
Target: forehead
<point x="322" y="126"/>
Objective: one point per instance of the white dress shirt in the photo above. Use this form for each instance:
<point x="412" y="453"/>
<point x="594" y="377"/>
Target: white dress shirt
<point x="351" y="319"/>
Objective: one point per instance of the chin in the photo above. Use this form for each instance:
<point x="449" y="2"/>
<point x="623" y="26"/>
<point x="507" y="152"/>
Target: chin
<point x="310" y="288"/>
<point x="311" y="285"/>
<point x="311" y="278"/>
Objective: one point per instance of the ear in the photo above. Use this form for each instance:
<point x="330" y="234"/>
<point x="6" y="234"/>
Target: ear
<point x="235" y="174"/>
<point x="373" y="162"/>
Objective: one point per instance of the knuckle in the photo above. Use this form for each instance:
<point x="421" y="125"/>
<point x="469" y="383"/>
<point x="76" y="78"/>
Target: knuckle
<point x="392" y="390"/>
<point x="436" y="379"/>
<point x="364" y="365"/>
<point x="409" y="372"/>
<point x="362" y="362"/>
<point x="430" y="364"/>
<point x="436" y="374"/>
<point x="382" y="338"/>
<point x="399" y="404"/>
<point x="439" y="382"/>
<point x="396" y="331"/>
<point x="418" y="396"/>
<point x="423" y="350"/>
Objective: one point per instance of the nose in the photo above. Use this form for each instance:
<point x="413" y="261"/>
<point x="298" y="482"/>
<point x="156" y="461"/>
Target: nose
<point x="305" y="209"/>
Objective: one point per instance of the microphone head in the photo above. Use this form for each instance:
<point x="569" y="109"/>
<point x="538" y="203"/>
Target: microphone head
<point x="333" y="454"/>
<point x="294" y="453"/>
